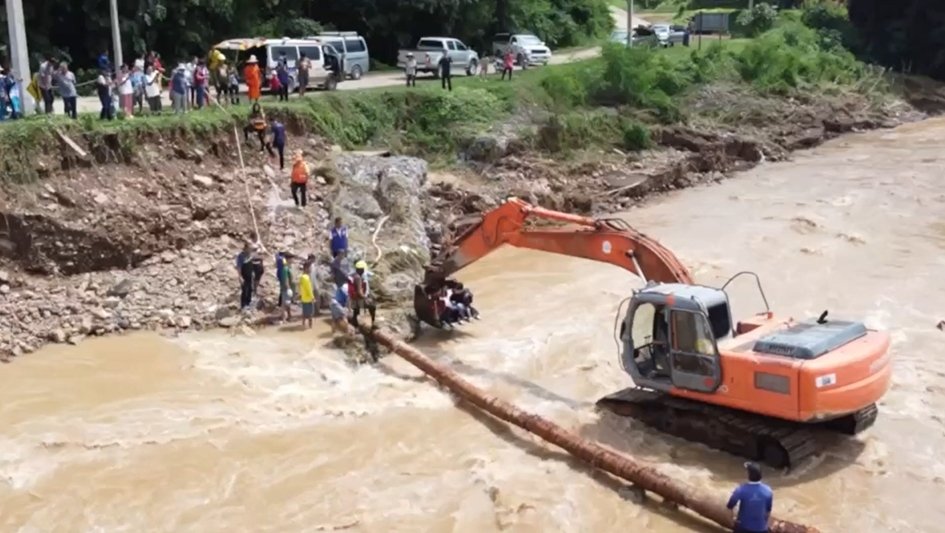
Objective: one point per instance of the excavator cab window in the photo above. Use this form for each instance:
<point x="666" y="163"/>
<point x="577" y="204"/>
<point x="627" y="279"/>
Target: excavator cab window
<point x="693" y="354"/>
<point x="650" y="337"/>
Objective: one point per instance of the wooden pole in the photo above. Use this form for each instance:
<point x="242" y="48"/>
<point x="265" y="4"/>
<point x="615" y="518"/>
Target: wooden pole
<point x="618" y="464"/>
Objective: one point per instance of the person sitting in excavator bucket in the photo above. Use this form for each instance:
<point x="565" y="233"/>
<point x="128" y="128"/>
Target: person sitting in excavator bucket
<point x="443" y="309"/>
<point x="462" y="298"/>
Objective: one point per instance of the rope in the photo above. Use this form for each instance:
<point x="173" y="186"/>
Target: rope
<point x="380" y="253"/>
<point x="239" y="151"/>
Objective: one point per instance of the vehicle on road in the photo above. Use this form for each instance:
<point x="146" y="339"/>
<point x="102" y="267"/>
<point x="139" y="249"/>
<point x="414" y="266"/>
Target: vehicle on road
<point x="353" y="48"/>
<point x="268" y="52"/>
<point x="668" y="35"/>
<point x="526" y="48"/>
<point x="429" y="50"/>
<point x="709" y="22"/>
<point x="761" y="386"/>
<point x="641" y="37"/>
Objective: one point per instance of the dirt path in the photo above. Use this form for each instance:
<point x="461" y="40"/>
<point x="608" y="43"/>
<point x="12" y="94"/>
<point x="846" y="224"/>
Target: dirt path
<point x="90" y="104"/>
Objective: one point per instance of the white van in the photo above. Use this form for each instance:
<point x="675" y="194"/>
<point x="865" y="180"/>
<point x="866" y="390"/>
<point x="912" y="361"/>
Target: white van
<point x="269" y="51"/>
<point x="354" y="49"/>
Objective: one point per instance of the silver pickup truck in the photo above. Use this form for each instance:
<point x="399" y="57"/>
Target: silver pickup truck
<point x="429" y="50"/>
<point x="526" y="48"/>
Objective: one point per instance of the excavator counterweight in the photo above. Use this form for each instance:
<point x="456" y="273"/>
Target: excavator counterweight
<point x="760" y="387"/>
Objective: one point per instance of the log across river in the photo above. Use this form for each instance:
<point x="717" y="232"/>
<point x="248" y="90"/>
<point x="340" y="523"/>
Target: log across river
<point x="210" y="432"/>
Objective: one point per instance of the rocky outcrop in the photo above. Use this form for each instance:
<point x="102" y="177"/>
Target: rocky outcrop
<point x="380" y="198"/>
<point x="168" y="263"/>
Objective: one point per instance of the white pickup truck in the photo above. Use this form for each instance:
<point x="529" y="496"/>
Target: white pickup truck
<point x="526" y="48"/>
<point x="429" y="50"/>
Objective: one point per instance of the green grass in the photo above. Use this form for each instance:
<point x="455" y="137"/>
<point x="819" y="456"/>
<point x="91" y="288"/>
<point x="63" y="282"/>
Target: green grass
<point x="640" y="86"/>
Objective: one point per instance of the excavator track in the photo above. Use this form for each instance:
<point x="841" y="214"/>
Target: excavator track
<point x="777" y="443"/>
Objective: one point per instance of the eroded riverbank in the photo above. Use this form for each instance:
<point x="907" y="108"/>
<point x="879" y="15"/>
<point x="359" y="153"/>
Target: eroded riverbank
<point x="276" y="432"/>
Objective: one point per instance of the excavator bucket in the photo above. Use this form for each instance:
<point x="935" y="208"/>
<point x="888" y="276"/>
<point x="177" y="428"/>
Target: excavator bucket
<point x="423" y="307"/>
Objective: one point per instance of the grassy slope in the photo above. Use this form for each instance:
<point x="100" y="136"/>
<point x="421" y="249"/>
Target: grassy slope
<point x="645" y="86"/>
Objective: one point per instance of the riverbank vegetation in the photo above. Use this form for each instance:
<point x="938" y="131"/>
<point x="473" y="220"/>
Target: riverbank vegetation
<point x="614" y="100"/>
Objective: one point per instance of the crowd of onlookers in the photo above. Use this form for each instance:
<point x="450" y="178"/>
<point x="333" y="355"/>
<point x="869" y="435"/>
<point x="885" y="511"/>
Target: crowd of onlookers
<point x="127" y="89"/>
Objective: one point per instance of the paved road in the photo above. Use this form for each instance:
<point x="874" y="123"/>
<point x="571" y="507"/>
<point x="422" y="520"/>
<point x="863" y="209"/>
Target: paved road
<point x="393" y="78"/>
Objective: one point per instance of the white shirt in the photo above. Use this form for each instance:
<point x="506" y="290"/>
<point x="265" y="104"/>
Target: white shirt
<point x="125" y="88"/>
<point x="153" y="87"/>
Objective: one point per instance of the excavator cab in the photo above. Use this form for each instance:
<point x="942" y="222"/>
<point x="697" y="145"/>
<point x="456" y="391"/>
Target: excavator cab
<point x="669" y="337"/>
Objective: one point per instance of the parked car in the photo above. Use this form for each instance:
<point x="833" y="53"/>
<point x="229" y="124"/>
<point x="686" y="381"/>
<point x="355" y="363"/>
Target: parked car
<point x="268" y="52"/>
<point x="646" y="38"/>
<point x="429" y="50"/>
<point x="668" y="35"/>
<point x="527" y="49"/>
<point x="352" y="47"/>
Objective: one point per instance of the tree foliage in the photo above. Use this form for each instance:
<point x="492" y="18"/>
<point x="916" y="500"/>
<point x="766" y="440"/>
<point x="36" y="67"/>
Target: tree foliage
<point x="78" y="30"/>
<point x="906" y="34"/>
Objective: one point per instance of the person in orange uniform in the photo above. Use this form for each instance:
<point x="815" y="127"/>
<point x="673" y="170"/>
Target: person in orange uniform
<point x="253" y="77"/>
<point x="299" y="179"/>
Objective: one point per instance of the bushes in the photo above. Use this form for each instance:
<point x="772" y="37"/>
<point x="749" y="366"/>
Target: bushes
<point x="792" y="56"/>
<point x="833" y="23"/>
<point x="757" y="20"/>
<point x="578" y="130"/>
<point x="565" y="89"/>
<point x="639" y="77"/>
<point x="636" y="136"/>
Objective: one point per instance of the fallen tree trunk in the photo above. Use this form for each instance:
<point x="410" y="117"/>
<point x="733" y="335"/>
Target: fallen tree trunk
<point x="618" y="464"/>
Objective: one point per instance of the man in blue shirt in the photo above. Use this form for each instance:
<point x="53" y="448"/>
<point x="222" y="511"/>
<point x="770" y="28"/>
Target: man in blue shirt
<point x="339" y="238"/>
<point x="103" y="62"/>
<point x="754" y="500"/>
<point x="277" y="129"/>
<point x="179" y="90"/>
<point x="339" y="308"/>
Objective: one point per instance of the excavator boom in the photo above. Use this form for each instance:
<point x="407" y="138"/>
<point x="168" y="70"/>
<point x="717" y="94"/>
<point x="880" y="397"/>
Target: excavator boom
<point x="606" y="240"/>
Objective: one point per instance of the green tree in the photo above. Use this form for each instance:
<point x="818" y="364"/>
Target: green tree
<point x="78" y="30"/>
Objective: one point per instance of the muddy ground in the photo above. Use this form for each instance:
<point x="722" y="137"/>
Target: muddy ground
<point x="148" y="240"/>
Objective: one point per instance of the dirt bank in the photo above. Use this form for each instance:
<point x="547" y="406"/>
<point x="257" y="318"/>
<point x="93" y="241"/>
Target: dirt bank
<point x="147" y="238"/>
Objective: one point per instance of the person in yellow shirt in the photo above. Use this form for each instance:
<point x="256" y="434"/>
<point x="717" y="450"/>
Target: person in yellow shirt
<point x="306" y="296"/>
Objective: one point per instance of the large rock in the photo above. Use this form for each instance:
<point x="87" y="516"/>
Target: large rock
<point x="385" y="190"/>
<point x="205" y="182"/>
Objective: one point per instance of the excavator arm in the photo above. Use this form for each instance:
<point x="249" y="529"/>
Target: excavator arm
<point x="606" y="240"/>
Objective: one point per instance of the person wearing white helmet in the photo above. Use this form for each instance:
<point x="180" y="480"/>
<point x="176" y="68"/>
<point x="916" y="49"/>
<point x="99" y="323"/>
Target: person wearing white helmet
<point x="410" y="69"/>
<point x="359" y="293"/>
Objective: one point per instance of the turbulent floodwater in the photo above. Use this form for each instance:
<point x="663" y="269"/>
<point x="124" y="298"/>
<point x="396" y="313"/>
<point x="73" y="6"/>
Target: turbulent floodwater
<point x="209" y="432"/>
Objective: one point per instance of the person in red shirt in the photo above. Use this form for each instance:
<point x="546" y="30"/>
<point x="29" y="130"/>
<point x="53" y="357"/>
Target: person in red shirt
<point x="507" y="63"/>
<point x="201" y="81"/>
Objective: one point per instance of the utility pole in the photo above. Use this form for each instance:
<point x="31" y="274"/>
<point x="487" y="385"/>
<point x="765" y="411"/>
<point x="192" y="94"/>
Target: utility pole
<point x="19" y="55"/>
<point x="116" y="34"/>
<point x="629" y="23"/>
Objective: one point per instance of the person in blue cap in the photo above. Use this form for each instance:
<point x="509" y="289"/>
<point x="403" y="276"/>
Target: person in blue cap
<point x="754" y="500"/>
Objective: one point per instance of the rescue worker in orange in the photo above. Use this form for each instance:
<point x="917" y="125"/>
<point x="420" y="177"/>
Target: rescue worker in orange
<point x="300" y="175"/>
<point x="253" y="77"/>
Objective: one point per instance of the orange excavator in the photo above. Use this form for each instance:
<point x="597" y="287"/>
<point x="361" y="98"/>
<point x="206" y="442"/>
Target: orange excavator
<point x="760" y="388"/>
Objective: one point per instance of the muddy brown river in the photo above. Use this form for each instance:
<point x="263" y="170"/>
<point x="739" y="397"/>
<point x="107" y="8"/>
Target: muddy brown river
<point x="210" y="432"/>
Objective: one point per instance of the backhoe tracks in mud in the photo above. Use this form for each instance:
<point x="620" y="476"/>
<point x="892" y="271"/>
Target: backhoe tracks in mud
<point x="777" y="443"/>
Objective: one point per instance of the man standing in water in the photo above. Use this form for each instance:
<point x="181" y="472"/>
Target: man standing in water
<point x="360" y="295"/>
<point x="244" y="270"/>
<point x="306" y="296"/>
<point x="285" y="286"/>
<point x="754" y="500"/>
